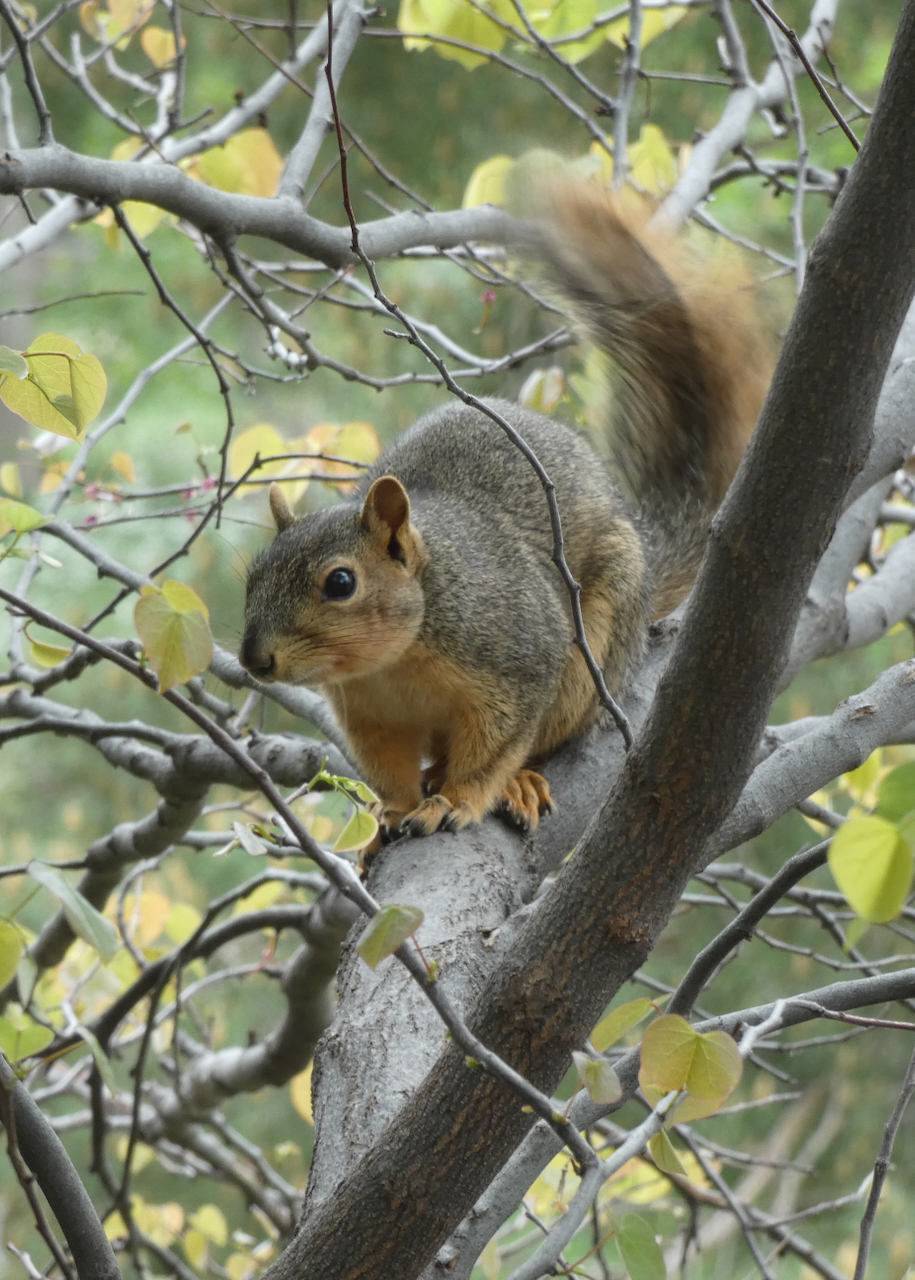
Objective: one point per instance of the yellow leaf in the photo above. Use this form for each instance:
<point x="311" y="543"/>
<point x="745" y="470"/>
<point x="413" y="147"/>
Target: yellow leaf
<point x="860" y="782"/>
<point x="872" y="865"/>
<point x="359" y="832"/>
<point x="159" y="46"/>
<point x="65" y="388"/>
<point x="486" y="183"/>
<point x="10" y="479"/>
<point x="114" y="1224"/>
<point x="654" y="22"/>
<point x="173" y="625"/>
<point x="566" y="18"/>
<point x="152" y="911"/>
<point x="260" y="440"/>
<point x="47" y="655"/>
<point x="668" y="1046"/>
<point x="653" y="165"/>
<point x="248" y="164"/>
<point x="182" y="921"/>
<point x="210" y="1222"/>
<point x="195" y="1248"/>
<point x="122" y="463"/>
<point x="263" y="896"/>
<point x="356" y="440"/>
<point x="300" y="1091"/>
<point x="456" y="19"/>
<point x="130" y="13"/>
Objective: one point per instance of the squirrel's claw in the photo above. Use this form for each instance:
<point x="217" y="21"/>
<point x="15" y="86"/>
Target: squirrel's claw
<point x="526" y="798"/>
<point x="436" y="813"/>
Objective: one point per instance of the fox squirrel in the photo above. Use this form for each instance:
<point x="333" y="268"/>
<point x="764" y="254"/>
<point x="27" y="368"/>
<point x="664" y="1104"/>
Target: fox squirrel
<point x="428" y="606"/>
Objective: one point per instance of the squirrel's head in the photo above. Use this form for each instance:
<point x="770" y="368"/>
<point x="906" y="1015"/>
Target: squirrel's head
<point x="338" y="593"/>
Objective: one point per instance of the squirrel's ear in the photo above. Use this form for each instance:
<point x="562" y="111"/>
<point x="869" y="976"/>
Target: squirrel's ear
<point x="279" y="509"/>
<point x="386" y="514"/>
<point x="387" y="503"/>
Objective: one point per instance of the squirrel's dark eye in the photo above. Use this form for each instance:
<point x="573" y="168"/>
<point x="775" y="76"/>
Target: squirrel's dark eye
<point x="339" y="585"/>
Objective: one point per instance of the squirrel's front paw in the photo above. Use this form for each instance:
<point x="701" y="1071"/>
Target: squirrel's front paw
<point x="436" y="814"/>
<point x="527" y="798"/>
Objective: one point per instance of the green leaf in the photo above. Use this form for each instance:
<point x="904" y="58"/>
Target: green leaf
<point x="358" y="832"/>
<point x="716" y="1067"/>
<point x="896" y="796"/>
<point x="599" y="1078"/>
<point x="872" y="865"/>
<point x="84" y="920"/>
<point x="385" y="932"/>
<point x="11" y="949"/>
<point x="64" y="390"/>
<point x="618" y="1021"/>
<point x="22" y="518"/>
<point x="22" y="1042"/>
<point x="664" y="1154"/>
<point x="174" y="626"/>
<point x="12" y="362"/>
<point x="102" y="1061"/>
<point x="641" y="1252"/>
<point x="668" y="1046"/>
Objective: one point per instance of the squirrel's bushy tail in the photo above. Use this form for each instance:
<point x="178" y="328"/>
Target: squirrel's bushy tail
<point x="690" y="368"/>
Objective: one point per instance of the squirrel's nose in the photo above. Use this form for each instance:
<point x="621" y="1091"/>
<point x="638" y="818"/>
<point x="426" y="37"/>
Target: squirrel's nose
<point x="255" y="659"/>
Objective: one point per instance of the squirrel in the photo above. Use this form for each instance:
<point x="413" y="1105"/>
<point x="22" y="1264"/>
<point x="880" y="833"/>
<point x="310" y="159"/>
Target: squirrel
<point x="428" y="606"/>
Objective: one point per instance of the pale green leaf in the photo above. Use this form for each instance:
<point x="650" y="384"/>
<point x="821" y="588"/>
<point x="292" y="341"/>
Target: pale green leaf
<point x="84" y="920"/>
<point x="896" y="796"/>
<point x="872" y="865"/>
<point x="251" y="843"/>
<point x="64" y="390"/>
<point x="599" y="1078"/>
<point x="47" y="655"/>
<point x="11" y="949"/>
<point x="668" y="1046"/>
<point x="22" y="517"/>
<point x="22" y="1042"/>
<point x="665" y="1155"/>
<point x="12" y="362"/>
<point x="618" y="1021"/>
<point x="716" y="1068"/>
<point x="173" y="625"/>
<point x="385" y="932"/>
<point x="102" y="1061"/>
<point x="358" y="832"/>
<point x="641" y="1251"/>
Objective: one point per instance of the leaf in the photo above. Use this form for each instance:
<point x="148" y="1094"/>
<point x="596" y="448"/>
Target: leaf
<point x="10" y="479"/>
<point x="543" y="389"/>
<point x="654" y="23"/>
<point x="358" y="832"/>
<point x="210" y="1222"/>
<point x="64" y="390"/>
<point x="716" y="1068"/>
<point x="456" y="19"/>
<point x="261" y="439"/>
<point x="896" y="796"/>
<point x="20" y="517"/>
<point x="159" y="46"/>
<point x="47" y="655"/>
<point x="251" y="844"/>
<point x="653" y="165"/>
<point x="356" y="440"/>
<point x="248" y="164"/>
<point x="11" y="949"/>
<point x="860" y="781"/>
<point x="668" y="1046"/>
<point x="872" y="865"/>
<point x="385" y="932"/>
<point x="101" y="1059"/>
<point x="641" y="1251"/>
<point x="486" y="183"/>
<point x="599" y="1078"/>
<point x="82" y="917"/>
<point x="300" y="1090"/>
<point x="183" y="920"/>
<point x="13" y="362"/>
<point x="567" y="17"/>
<point x="664" y="1154"/>
<point x="174" y="626"/>
<point x="122" y="463"/>
<point x="618" y="1021"/>
<point x="22" y="1042"/>
<point x="194" y="1243"/>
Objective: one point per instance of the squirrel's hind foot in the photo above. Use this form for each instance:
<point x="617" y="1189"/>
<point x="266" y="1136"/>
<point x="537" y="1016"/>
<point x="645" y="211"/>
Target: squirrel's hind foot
<point x="437" y="814"/>
<point x="526" y="799"/>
